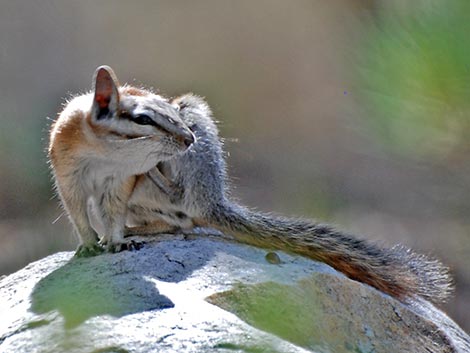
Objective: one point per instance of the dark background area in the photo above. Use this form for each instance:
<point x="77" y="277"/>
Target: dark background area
<point x="350" y="112"/>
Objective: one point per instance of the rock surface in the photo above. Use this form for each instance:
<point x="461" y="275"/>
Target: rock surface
<point x="208" y="295"/>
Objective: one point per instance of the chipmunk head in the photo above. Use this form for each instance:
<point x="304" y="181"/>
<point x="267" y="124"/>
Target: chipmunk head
<point x="128" y="112"/>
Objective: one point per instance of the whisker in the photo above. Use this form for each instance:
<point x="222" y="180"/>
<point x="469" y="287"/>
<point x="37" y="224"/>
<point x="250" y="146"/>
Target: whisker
<point x="59" y="217"/>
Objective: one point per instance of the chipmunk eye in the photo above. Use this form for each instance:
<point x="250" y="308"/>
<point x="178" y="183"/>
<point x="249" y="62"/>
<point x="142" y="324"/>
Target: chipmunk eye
<point x="143" y="119"/>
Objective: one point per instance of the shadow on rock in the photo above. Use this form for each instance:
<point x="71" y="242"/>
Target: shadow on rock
<point x="112" y="284"/>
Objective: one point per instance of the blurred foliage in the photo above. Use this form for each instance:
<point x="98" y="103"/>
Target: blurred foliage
<point x="284" y="310"/>
<point x="415" y="75"/>
<point x="79" y="296"/>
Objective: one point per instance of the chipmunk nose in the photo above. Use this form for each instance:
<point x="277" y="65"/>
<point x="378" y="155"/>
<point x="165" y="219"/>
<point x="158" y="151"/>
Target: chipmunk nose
<point x="186" y="139"/>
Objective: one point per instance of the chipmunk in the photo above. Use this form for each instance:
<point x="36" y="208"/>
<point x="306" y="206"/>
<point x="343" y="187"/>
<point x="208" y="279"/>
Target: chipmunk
<point x="101" y="146"/>
<point x="128" y="161"/>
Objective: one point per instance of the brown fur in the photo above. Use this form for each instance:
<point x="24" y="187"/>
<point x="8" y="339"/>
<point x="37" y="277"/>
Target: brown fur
<point x="134" y="91"/>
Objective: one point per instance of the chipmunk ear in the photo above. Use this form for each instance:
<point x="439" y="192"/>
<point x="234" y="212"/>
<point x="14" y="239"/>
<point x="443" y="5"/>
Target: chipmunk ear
<point x="106" y="94"/>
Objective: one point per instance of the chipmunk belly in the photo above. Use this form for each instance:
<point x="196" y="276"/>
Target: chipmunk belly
<point x="148" y="204"/>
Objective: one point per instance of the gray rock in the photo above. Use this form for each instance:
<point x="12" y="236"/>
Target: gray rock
<point x="208" y="295"/>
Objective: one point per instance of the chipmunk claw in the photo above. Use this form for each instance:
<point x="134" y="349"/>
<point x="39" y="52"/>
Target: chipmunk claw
<point x="131" y="245"/>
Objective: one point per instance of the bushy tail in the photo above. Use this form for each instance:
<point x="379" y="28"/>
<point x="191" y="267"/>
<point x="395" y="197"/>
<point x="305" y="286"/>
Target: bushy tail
<point x="396" y="271"/>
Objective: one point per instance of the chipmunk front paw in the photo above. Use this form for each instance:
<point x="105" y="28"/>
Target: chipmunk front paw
<point x="89" y="250"/>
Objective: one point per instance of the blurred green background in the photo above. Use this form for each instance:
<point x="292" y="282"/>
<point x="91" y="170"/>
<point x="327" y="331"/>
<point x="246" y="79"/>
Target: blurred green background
<point x="351" y="112"/>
